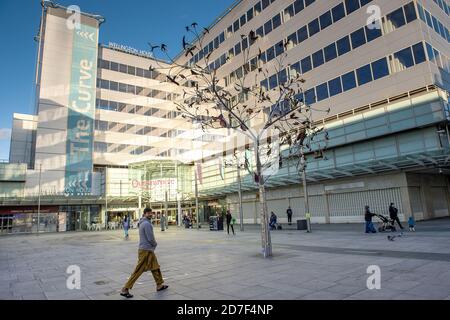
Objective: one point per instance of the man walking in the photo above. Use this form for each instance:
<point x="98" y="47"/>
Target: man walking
<point x="146" y="256"/>
<point x="229" y="222"/>
<point x="393" y="213"/>
<point x="289" y="214"/>
<point x="368" y="217"/>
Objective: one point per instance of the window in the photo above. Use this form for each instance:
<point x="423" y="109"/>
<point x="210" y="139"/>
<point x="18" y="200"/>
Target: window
<point x="429" y="20"/>
<point x="265" y="4"/>
<point x="410" y="12"/>
<point x="243" y="19"/>
<point x="257" y="8"/>
<point x="279" y="48"/>
<point x="313" y="27"/>
<point x="289" y="12"/>
<point x="364" y="2"/>
<point x="395" y="19"/>
<point x="322" y="91"/>
<point x="309" y="2"/>
<point x="222" y="37"/>
<point x="295" y="69"/>
<point x="265" y="85"/>
<point x="270" y="54"/>
<point x="343" y="45"/>
<point x="253" y="64"/>
<point x="338" y="12"/>
<point x="364" y="75"/>
<point x="276" y="21"/>
<point x="237" y="49"/>
<point x="236" y="26"/>
<point x="114" y="66"/>
<point x="380" y="68"/>
<point x="419" y="53"/>
<point x="104" y="84"/>
<point x="216" y="42"/>
<point x="310" y="96"/>
<point x="131" y="70"/>
<point x="317" y="58"/>
<point x="298" y="6"/>
<point x="273" y="81"/>
<point x="131" y="89"/>
<point x="268" y="27"/>
<point x="122" y="87"/>
<point x="325" y="20"/>
<point x="435" y="24"/>
<point x="372" y="33"/>
<point x="421" y="12"/>
<point x="123" y="68"/>
<point x="104" y="64"/>
<point x="403" y="59"/>
<point x="250" y="14"/>
<point x="292" y="38"/>
<point x="351" y="5"/>
<point x="140" y="72"/>
<point x="282" y="76"/>
<point x="358" y="38"/>
<point x="335" y="86"/>
<point x="302" y="34"/>
<point x="244" y="43"/>
<point x="229" y="31"/>
<point x="330" y="52"/>
<point x="306" y="64"/>
<point x="113" y="86"/>
<point x="348" y="81"/>
<point x="260" y="32"/>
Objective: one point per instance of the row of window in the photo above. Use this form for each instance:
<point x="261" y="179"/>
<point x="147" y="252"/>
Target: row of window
<point x="131" y="70"/>
<point x="239" y="23"/>
<point x="104" y="147"/>
<point x="438" y="58"/>
<point x="136" y="90"/>
<point x="104" y="126"/>
<point x="443" y="5"/>
<point x="325" y="20"/>
<point x="378" y="69"/>
<point x="344" y="45"/>
<point x="134" y="109"/>
<point x="433" y="23"/>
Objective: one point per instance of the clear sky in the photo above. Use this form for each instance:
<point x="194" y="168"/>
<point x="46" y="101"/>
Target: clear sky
<point x="128" y="22"/>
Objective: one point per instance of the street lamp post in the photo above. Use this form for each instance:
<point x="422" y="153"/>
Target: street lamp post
<point x="39" y="199"/>
<point x="196" y="197"/>
<point x="241" y="211"/>
<point x="305" y="190"/>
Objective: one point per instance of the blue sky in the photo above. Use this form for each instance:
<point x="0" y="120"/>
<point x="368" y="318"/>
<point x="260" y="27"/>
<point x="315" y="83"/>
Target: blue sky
<point x="131" y="22"/>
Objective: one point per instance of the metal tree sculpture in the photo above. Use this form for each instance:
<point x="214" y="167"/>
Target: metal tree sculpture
<point x="270" y="115"/>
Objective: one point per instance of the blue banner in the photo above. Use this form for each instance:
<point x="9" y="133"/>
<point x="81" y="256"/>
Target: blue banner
<point x="81" y="113"/>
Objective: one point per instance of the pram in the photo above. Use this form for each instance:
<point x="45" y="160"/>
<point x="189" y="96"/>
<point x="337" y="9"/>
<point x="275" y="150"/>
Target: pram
<point x="386" y="224"/>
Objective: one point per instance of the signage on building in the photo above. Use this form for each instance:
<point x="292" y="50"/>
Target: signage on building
<point x="131" y="50"/>
<point x="80" y="120"/>
<point x="155" y="189"/>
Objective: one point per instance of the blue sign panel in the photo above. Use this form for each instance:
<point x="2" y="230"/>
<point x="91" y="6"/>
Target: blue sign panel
<point x="81" y="113"/>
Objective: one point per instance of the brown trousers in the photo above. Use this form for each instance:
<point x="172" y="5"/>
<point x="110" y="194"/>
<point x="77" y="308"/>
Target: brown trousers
<point x="146" y="262"/>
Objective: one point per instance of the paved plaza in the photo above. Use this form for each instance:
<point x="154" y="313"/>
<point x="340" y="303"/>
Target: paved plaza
<point x="329" y="263"/>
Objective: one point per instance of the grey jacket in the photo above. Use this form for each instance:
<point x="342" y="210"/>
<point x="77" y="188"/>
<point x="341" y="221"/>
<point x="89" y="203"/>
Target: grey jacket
<point x="146" y="237"/>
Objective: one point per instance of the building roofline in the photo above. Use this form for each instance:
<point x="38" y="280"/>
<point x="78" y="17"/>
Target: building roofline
<point x="50" y="4"/>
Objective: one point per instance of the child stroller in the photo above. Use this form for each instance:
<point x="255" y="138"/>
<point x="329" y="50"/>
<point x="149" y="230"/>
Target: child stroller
<point x="386" y="224"/>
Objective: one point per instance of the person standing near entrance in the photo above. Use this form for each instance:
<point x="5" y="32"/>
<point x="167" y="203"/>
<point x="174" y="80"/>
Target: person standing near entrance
<point x="368" y="217"/>
<point x="163" y="221"/>
<point x="146" y="256"/>
<point x="126" y="226"/>
<point x="289" y="214"/>
<point x="393" y="214"/>
<point x="229" y="220"/>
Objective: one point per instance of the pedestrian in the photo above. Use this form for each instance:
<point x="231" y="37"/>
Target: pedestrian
<point x="229" y="222"/>
<point x="368" y="217"/>
<point x="273" y="221"/>
<point x="289" y="214"/>
<point x="126" y="226"/>
<point x="146" y="257"/>
<point x="393" y="213"/>
<point x="163" y="222"/>
<point x="412" y="224"/>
